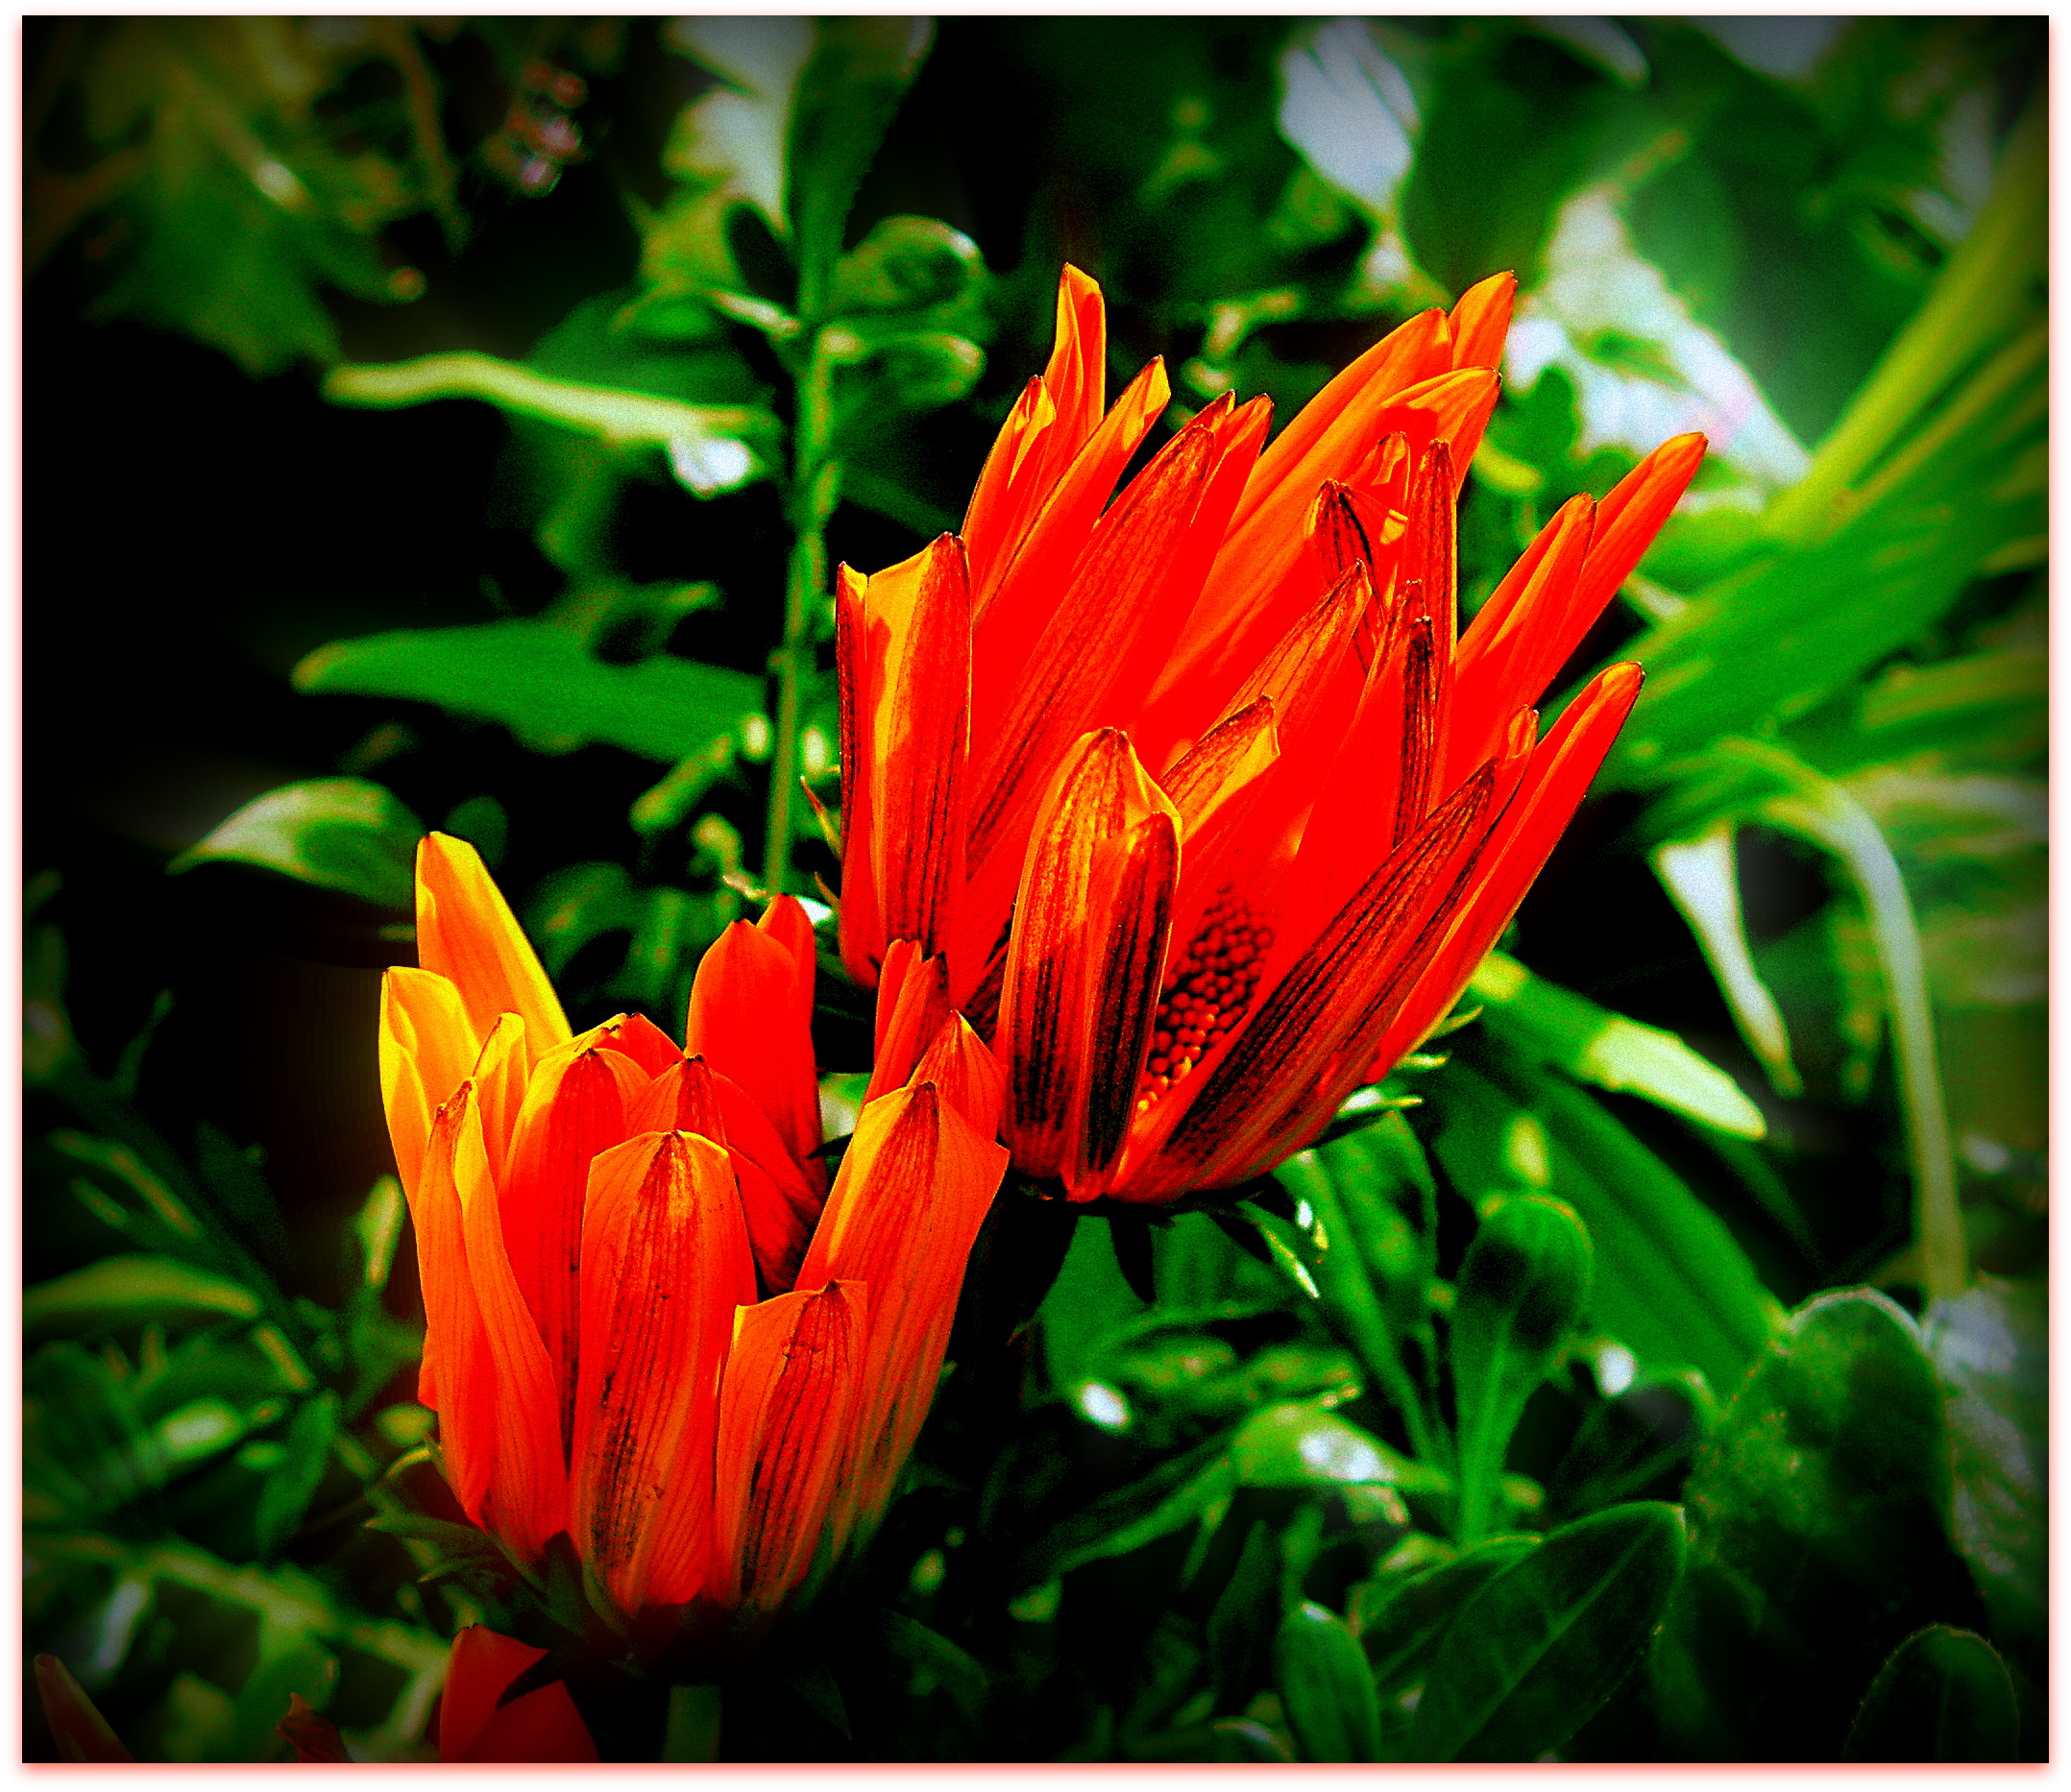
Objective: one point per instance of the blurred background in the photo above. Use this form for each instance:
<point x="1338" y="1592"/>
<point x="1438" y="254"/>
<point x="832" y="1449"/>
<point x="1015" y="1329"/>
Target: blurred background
<point x="413" y="421"/>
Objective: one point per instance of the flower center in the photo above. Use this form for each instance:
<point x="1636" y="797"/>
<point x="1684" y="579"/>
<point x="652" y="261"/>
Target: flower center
<point x="1208" y="989"/>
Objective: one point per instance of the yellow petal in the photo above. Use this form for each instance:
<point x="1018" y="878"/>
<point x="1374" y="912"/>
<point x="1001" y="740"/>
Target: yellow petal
<point x="466" y="931"/>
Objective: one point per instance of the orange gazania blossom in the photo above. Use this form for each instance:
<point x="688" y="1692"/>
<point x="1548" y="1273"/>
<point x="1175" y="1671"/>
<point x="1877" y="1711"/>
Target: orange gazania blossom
<point x="1116" y="728"/>
<point x="649" y="1324"/>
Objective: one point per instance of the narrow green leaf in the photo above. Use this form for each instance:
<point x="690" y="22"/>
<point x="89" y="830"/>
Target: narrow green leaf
<point x="1519" y="1292"/>
<point x="1545" y="1641"/>
<point x="957" y="1671"/>
<point x="305" y="1668"/>
<point x="1943" y="1696"/>
<point x="1560" y="1027"/>
<point x="125" y="1289"/>
<point x="341" y="833"/>
<point x="1325" y="1686"/>
<point x="1671" y="1283"/>
<point x="540" y="679"/>
<point x="290" y="1487"/>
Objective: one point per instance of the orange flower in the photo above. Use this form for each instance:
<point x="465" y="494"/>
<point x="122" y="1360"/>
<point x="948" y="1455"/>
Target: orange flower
<point x="649" y="1324"/>
<point x="1114" y="728"/>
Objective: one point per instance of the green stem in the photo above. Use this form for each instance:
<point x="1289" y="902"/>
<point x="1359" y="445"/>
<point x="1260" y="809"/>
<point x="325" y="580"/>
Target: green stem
<point x="1983" y="287"/>
<point x="693" y="1733"/>
<point x="1823" y="812"/>
<point x="814" y="487"/>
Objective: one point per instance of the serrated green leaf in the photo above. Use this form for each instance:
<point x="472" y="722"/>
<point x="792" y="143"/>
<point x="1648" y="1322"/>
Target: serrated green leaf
<point x="1519" y="1293"/>
<point x="340" y="833"/>
<point x="1943" y="1696"/>
<point x="1539" y="1647"/>
<point x="125" y="1290"/>
<point x="1991" y="1348"/>
<point x="539" y="679"/>
<point x="1326" y="1687"/>
<point x="1818" y="1513"/>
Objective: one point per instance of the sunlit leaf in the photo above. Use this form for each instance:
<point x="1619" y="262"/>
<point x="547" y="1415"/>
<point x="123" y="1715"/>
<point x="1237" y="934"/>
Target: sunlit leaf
<point x="539" y="679"/>
<point x="342" y="834"/>
<point x="1295" y="1444"/>
<point x="1607" y="1049"/>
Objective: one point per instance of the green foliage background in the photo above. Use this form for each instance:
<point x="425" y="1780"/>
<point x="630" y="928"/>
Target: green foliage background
<point x="453" y="424"/>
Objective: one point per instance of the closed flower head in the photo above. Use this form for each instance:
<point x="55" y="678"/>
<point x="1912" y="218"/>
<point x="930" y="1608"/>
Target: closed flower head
<point x="651" y="1325"/>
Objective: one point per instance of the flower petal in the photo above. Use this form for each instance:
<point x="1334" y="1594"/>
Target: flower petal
<point x="578" y="1105"/>
<point x="1129" y="928"/>
<point x="638" y="1039"/>
<point x="971" y="1079"/>
<point x="1126" y="598"/>
<point x="466" y="931"/>
<point x="511" y="1393"/>
<point x="1500" y="654"/>
<point x="1056" y="958"/>
<point x="665" y="1262"/>
<point x="1049" y="425"/>
<point x="542" y="1725"/>
<point x="863" y="924"/>
<point x="1538" y="621"/>
<point x="912" y="1002"/>
<point x="1555" y="781"/>
<point x="792" y="1381"/>
<point x="76" y="1723"/>
<point x="479" y="1669"/>
<point x="919" y="619"/>
<point x="1273" y="1068"/>
<point x="751" y="1020"/>
<point x="1481" y="320"/>
<point x="912" y="1191"/>
<point x="451" y="1377"/>
<point x="428" y="1047"/>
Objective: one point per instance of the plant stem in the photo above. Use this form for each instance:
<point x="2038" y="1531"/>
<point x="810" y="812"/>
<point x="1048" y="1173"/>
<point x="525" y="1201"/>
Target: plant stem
<point x="693" y="1733"/>
<point x="814" y="487"/>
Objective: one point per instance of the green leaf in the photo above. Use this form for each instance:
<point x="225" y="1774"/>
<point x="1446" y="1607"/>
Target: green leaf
<point x="1991" y="1347"/>
<point x="1174" y="1494"/>
<point x="1670" y="1283"/>
<point x="290" y="1487"/>
<point x="340" y="833"/>
<point x="1547" y="1641"/>
<point x="955" y="1669"/>
<point x="1943" y="1696"/>
<point x="1409" y="1613"/>
<point x="119" y="1291"/>
<point x="1519" y="1292"/>
<point x="1326" y="1687"/>
<point x="1560" y="1027"/>
<point x="1246" y="1616"/>
<point x="305" y="1668"/>
<point x="1086" y="1305"/>
<point x="1818" y="1513"/>
<point x="909" y="264"/>
<point x="859" y="72"/>
<point x="1627" y="1441"/>
<point x="539" y="679"/>
<point x="1295" y="1444"/>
